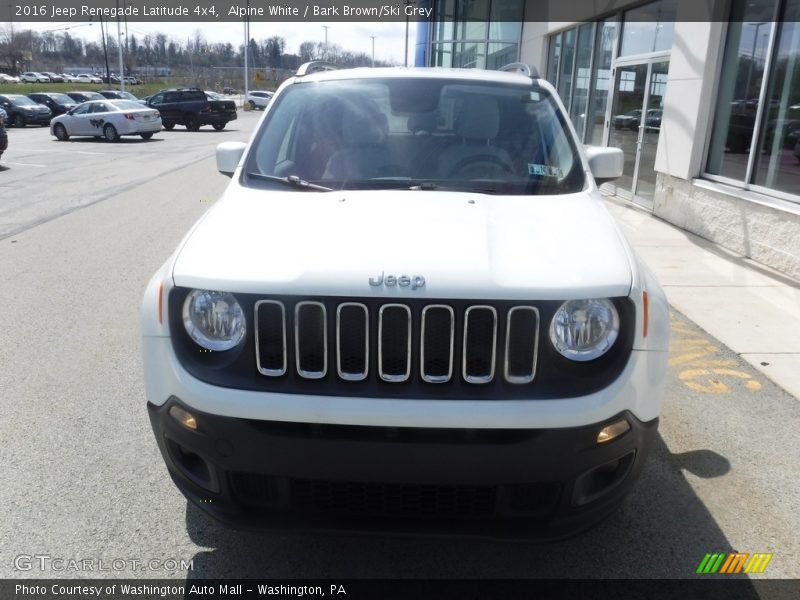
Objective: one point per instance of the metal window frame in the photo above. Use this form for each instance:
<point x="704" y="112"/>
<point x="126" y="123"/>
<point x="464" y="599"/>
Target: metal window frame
<point x="746" y="183"/>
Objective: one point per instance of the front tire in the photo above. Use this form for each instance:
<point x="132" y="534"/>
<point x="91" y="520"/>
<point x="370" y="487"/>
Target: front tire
<point x="19" y="121"/>
<point x="110" y="133"/>
<point x="146" y="136"/>
<point x="169" y="126"/>
<point x="191" y="123"/>
<point x="252" y="105"/>
<point x="219" y="126"/>
<point x="60" y="132"/>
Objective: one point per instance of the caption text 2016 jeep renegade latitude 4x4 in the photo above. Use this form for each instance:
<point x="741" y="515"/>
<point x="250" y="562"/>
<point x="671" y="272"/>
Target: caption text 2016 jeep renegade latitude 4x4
<point x="409" y="311"/>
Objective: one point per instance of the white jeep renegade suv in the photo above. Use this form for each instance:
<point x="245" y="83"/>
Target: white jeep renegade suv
<point x="409" y="311"/>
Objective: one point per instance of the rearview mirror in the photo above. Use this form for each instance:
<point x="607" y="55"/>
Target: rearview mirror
<point x="605" y="163"/>
<point x="228" y="156"/>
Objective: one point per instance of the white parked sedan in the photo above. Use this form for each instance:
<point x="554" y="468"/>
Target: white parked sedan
<point x="8" y="78"/>
<point x="83" y="78"/>
<point x="258" y="100"/>
<point x="34" y="77"/>
<point x="107" y="118"/>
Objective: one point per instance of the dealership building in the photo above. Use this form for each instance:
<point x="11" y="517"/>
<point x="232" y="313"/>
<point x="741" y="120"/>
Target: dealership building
<point x="707" y="110"/>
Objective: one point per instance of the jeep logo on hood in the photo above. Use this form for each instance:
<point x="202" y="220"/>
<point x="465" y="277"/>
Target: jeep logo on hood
<point x="412" y="281"/>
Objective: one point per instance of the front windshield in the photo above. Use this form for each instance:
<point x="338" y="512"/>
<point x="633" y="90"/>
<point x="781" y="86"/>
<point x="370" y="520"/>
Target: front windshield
<point x="127" y="105"/>
<point x="420" y="133"/>
<point x="22" y="101"/>
<point x="61" y="98"/>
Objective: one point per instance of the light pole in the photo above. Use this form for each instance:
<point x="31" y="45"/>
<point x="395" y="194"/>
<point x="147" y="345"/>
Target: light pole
<point x="119" y="49"/>
<point x="405" y="56"/>
<point x="325" y="55"/>
<point x="752" y="60"/>
<point x="373" y="51"/>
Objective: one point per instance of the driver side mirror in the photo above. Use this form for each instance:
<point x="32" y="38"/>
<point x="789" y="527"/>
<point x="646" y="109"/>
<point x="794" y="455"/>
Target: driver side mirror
<point x="605" y="163"/>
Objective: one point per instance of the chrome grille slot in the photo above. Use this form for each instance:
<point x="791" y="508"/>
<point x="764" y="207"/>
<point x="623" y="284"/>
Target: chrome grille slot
<point x="394" y="342"/>
<point x="270" y="337"/>
<point x="436" y="343"/>
<point x="522" y="344"/>
<point x="352" y="341"/>
<point x="480" y="344"/>
<point x="311" y="339"/>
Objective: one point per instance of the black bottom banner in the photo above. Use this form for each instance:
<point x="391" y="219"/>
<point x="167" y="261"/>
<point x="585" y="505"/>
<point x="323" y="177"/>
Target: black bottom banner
<point x="702" y="588"/>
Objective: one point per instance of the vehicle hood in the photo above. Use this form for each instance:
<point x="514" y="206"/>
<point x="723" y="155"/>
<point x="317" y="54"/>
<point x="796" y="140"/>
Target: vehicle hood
<point x="464" y="245"/>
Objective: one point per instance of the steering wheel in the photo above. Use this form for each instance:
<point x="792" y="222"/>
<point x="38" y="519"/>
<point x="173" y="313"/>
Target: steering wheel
<point x="481" y="166"/>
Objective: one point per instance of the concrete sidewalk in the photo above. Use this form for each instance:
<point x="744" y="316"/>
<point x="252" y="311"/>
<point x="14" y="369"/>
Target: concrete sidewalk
<point x="751" y="308"/>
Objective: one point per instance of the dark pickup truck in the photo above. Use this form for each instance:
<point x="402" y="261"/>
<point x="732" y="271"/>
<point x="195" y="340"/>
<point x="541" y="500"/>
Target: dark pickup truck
<point x="191" y="108"/>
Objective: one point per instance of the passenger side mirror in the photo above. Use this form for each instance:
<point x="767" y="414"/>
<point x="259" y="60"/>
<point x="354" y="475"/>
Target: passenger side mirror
<point x="605" y="163"/>
<point x="228" y="156"/>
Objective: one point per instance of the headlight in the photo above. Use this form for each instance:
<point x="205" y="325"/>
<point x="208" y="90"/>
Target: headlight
<point x="214" y="319"/>
<point x="584" y="329"/>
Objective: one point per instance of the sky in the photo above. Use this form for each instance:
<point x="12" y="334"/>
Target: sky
<point x="389" y="37"/>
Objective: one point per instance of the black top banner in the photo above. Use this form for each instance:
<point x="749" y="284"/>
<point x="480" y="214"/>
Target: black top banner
<point x="361" y="10"/>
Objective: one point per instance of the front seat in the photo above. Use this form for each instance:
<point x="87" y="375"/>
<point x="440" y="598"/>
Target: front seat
<point x="365" y="156"/>
<point x="475" y="157"/>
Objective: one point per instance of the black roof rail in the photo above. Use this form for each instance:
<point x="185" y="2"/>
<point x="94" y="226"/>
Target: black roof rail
<point x="315" y="66"/>
<point x="524" y="68"/>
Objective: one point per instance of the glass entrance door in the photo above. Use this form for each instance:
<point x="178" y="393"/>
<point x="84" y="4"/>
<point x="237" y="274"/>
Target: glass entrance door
<point x="635" y="125"/>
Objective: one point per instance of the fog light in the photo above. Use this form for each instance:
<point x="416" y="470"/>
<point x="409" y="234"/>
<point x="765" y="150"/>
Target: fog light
<point x="612" y="431"/>
<point x="183" y="417"/>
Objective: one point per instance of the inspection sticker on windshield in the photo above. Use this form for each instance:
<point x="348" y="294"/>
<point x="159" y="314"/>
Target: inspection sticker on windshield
<point x="545" y="171"/>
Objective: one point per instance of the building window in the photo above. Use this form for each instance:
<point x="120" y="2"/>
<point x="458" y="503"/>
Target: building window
<point x="649" y="28"/>
<point x="579" y="66"/>
<point x="471" y="34"/>
<point x="754" y="138"/>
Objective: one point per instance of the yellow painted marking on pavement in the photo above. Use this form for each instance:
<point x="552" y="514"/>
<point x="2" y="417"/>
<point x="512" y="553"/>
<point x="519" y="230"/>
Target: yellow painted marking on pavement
<point x="694" y="353"/>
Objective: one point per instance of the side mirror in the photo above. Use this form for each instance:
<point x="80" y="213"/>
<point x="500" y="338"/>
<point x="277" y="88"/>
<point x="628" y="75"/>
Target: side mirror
<point x="605" y="163"/>
<point x="228" y="156"/>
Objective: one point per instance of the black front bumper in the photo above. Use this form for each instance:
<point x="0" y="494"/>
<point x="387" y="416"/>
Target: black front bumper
<point x="526" y="484"/>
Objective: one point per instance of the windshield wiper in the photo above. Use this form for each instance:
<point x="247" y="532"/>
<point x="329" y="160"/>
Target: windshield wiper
<point x="292" y="180"/>
<point x="453" y="186"/>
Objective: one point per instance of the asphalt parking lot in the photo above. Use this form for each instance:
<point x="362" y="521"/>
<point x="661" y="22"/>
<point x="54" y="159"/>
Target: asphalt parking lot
<point x="85" y="223"/>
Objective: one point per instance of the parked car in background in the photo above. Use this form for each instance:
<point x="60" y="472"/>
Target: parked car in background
<point x="628" y="120"/>
<point x="69" y="78"/>
<point x="258" y="99"/>
<point x="3" y="134"/>
<point x="84" y="96"/>
<point x="191" y="108"/>
<point x="130" y="80"/>
<point x="53" y="77"/>
<point x="23" y="111"/>
<point x="654" y="117"/>
<point x="108" y="118"/>
<point x="84" y="78"/>
<point x="229" y="91"/>
<point x="34" y="77"/>
<point x="214" y="95"/>
<point x="57" y="103"/>
<point x="8" y="78"/>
